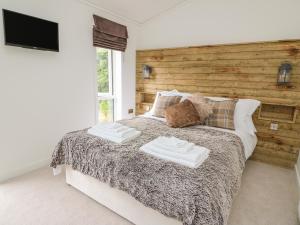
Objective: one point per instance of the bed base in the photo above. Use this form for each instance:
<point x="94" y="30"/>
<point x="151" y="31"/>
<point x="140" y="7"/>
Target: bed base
<point x="118" y="201"/>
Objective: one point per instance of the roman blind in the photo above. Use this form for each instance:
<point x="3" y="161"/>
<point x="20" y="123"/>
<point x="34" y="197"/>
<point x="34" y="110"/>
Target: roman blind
<point x="109" y="34"/>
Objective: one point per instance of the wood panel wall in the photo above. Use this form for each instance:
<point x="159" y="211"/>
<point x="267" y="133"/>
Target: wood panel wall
<point x="239" y="70"/>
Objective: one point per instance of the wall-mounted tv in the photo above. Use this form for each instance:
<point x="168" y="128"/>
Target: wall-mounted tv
<point x="30" y="32"/>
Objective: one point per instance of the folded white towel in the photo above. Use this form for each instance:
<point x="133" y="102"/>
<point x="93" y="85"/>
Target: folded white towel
<point x="193" y="155"/>
<point x="116" y="130"/>
<point x="109" y="125"/>
<point x="176" y="141"/>
<point x="192" y="158"/>
<point x="173" y="159"/>
<point x="113" y="129"/>
<point x="119" y="133"/>
<point x="181" y="150"/>
<point x="120" y="129"/>
<point x="129" y="136"/>
<point x="173" y="144"/>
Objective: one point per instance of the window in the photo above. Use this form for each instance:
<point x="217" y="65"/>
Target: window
<point x="105" y="83"/>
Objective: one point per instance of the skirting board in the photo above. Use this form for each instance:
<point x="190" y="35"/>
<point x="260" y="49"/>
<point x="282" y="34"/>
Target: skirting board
<point x="117" y="200"/>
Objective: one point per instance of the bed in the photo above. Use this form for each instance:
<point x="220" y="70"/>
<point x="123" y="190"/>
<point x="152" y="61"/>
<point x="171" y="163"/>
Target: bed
<point x="147" y="190"/>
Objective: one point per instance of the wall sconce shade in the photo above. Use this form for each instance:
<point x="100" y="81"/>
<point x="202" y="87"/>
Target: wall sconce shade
<point x="284" y="74"/>
<point x="146" y="71"/>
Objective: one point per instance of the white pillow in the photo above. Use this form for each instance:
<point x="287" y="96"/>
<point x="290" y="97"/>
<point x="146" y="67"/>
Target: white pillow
<point x="243" y="115"/>
<point x="168" y="93"/>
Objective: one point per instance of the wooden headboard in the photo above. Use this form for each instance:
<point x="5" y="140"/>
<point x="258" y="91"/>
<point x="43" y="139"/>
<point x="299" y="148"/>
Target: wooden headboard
<point x="239" y="71"/>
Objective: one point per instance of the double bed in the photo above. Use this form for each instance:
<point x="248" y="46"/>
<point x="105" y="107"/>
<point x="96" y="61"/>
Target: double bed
<point x="148" y="190"/>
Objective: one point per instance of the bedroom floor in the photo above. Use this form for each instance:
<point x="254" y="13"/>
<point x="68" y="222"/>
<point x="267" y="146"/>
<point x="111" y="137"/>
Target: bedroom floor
<point x="268" y="196"/>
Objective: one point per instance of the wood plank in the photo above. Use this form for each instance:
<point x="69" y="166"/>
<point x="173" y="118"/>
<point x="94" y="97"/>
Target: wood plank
<point x="280" y="132"/>
<point x="278" y="147"/>
<point x="222" y="56"/>
<point x="263" y="46"/>
<point x="276" y="153"/>
<point x="218" y="83"/>
<point x="226" y="91"/>
<point x="281" y="126"/>
<point x="278" y="139"/>
<point x="218" y="70"/>
<point x="219" y="63"/>
<point x="273" y="160"/>
<point x="200" y="77"/>
<point x="260" y="98"/>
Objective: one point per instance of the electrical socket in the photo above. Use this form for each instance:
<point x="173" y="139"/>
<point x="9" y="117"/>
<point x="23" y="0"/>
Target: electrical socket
<point x="274" y="126"/>
<point x="130" y="111"/>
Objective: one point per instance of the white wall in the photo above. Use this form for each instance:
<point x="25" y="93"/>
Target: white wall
<point x="43" y="94"/>
<point x="216" y="22"/>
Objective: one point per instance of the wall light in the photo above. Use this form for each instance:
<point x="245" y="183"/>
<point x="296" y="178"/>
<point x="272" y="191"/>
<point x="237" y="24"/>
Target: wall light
<point x="146" y="71"/>
<point x="284" y="74"/>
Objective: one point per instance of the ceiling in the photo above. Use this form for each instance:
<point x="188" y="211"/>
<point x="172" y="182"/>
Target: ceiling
<point x="139" y="11"/>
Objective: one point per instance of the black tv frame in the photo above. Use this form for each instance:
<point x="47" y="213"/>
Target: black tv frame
<point x="28" y="46"/>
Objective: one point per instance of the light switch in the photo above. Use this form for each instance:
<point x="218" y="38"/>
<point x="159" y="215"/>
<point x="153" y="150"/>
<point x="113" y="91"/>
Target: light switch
<point x="274" y="126"/>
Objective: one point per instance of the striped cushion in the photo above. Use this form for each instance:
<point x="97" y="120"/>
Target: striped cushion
<point x="163" y="102"/>
<point x="223" y="114"/>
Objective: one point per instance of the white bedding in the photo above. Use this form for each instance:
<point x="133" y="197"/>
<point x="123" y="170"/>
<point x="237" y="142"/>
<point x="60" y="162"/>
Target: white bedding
<point x="249" y="141"/>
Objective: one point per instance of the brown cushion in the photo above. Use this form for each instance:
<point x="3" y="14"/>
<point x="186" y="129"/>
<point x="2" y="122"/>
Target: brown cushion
<point x="223" y="114"/>
<point x="182" y="114"/>
<point x="202" y="107"/>
<point x="164" y="102"/>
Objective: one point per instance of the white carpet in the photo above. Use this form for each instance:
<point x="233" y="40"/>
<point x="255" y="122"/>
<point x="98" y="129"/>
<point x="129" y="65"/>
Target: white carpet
<point x="268" y="196"/>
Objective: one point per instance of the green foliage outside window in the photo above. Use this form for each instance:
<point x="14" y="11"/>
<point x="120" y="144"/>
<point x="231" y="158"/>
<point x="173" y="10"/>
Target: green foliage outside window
<point x="106" y="110"/>
<point x="105" y="106"/>
<point x="102" y="70"/>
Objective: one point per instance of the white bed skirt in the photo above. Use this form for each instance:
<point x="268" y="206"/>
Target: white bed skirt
<point x="117" y="200"/>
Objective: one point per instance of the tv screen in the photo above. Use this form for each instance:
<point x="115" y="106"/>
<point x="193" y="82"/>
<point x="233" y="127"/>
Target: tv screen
<point x="30" y="32"/>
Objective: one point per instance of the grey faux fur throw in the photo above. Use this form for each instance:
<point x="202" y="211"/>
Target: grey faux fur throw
<point x="193" y="196"/>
